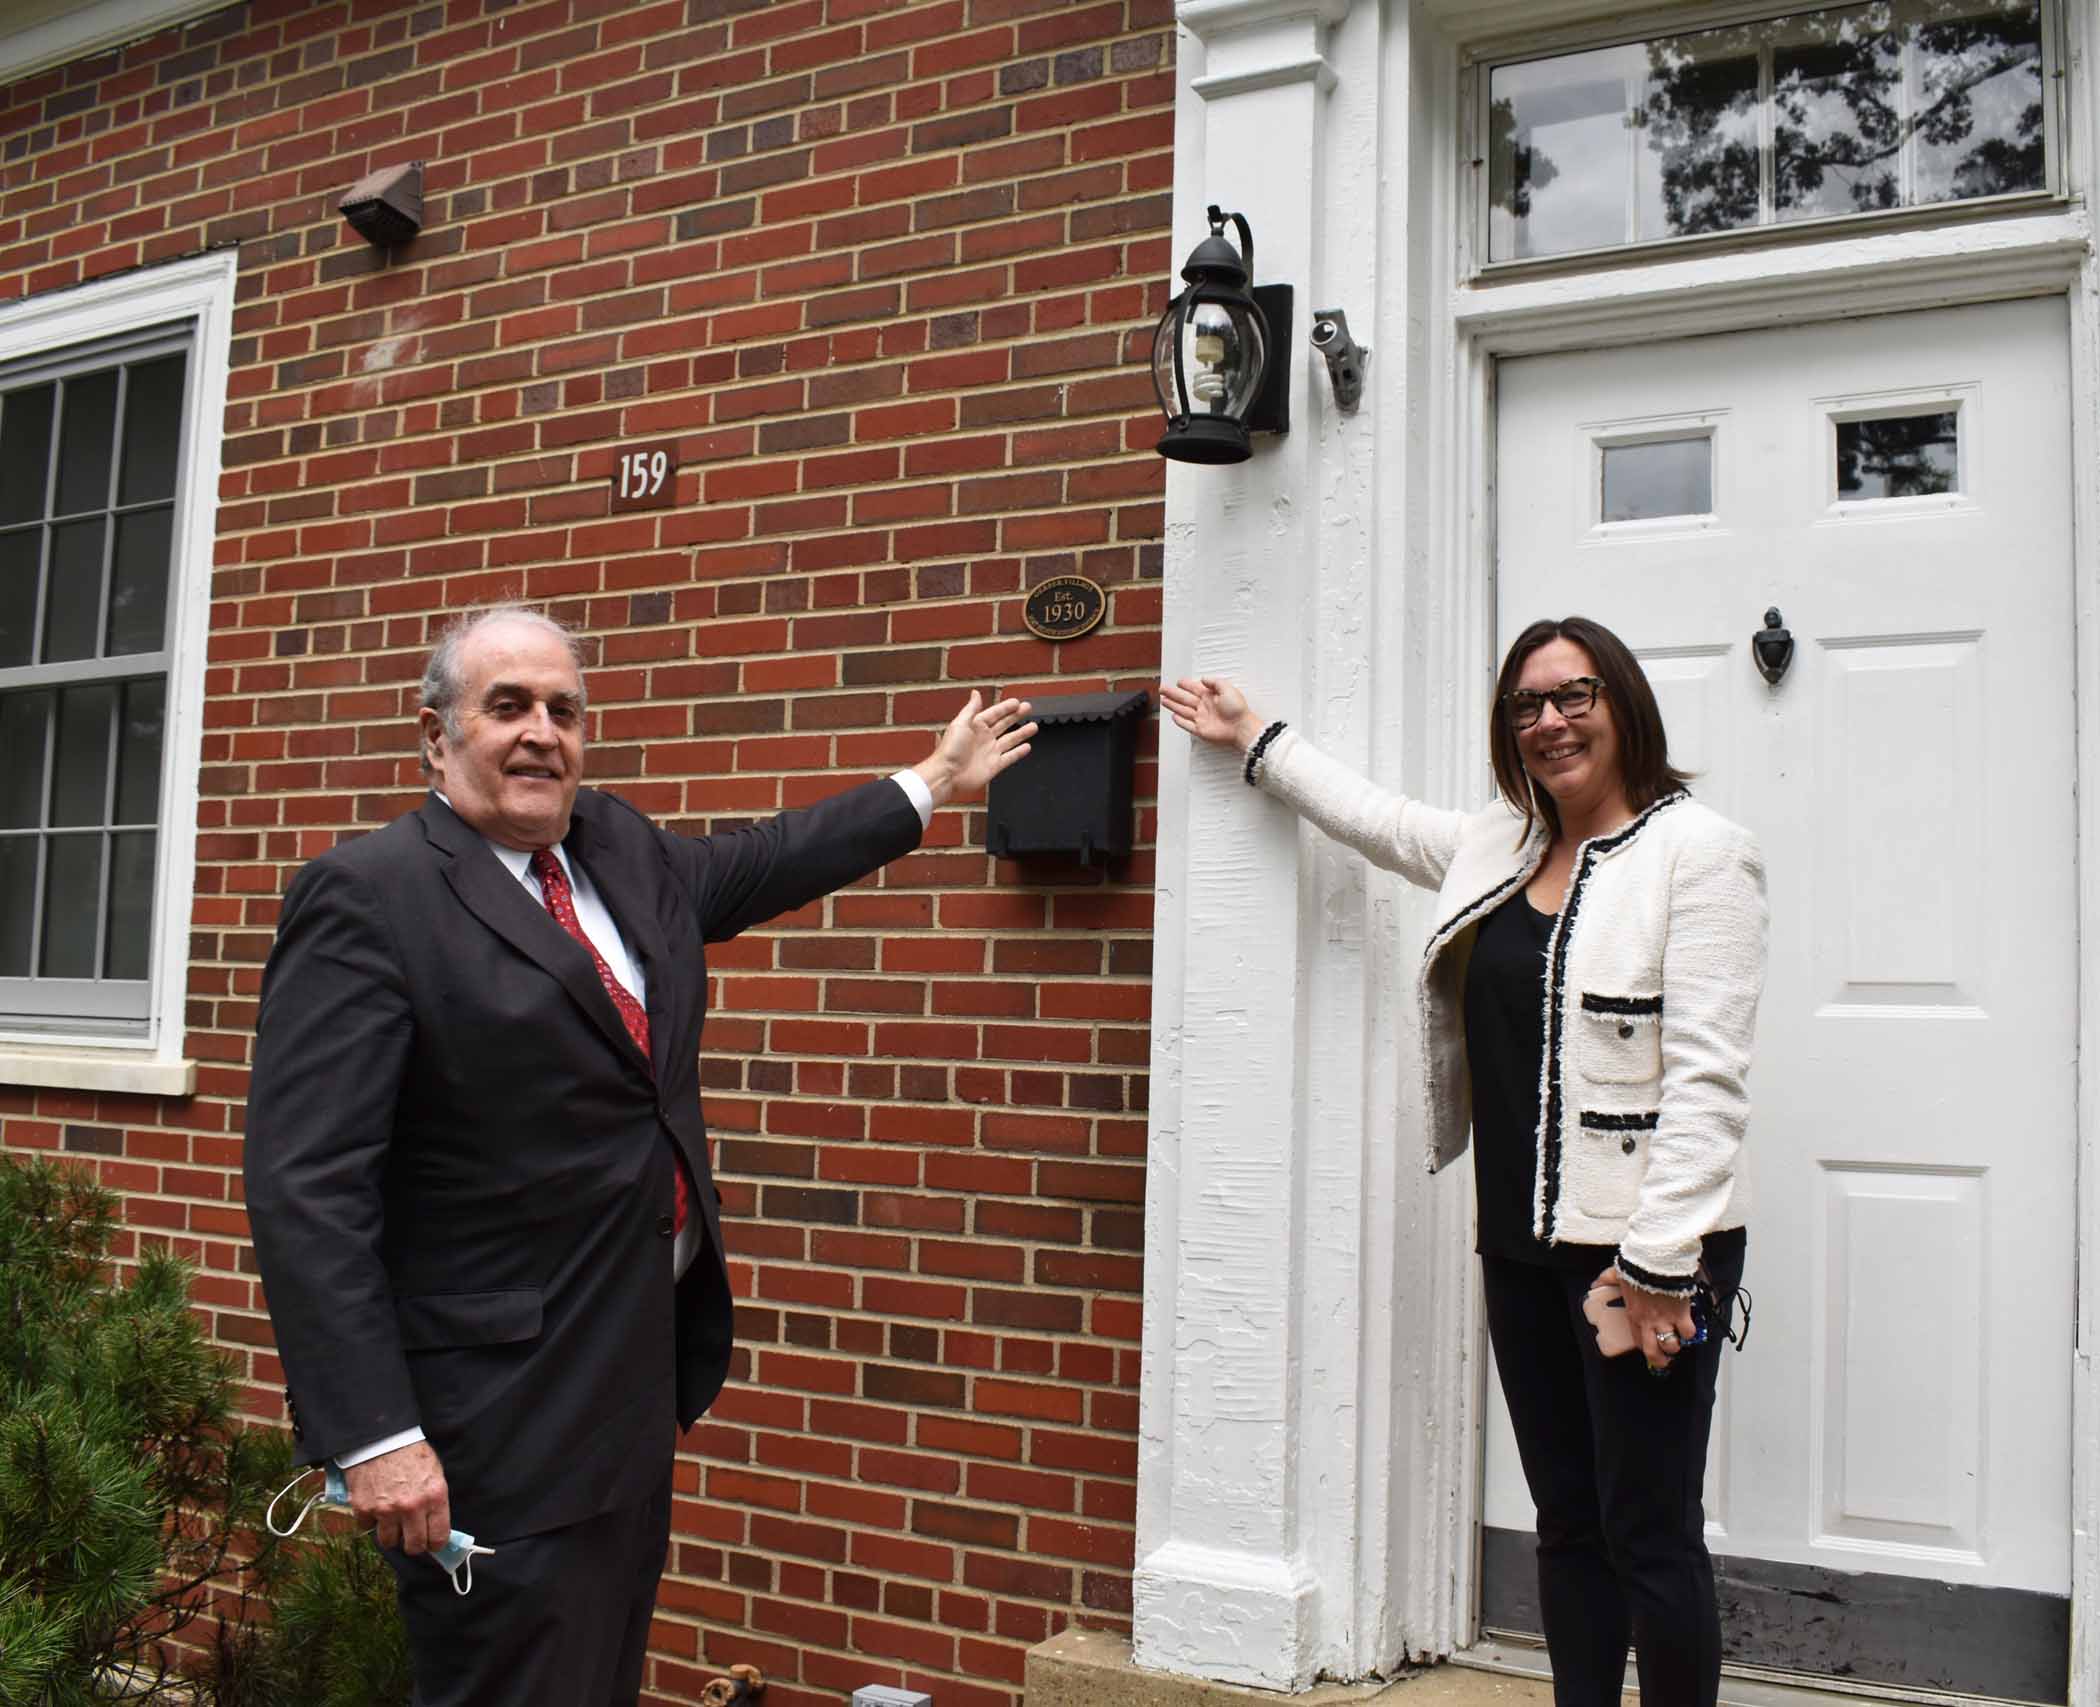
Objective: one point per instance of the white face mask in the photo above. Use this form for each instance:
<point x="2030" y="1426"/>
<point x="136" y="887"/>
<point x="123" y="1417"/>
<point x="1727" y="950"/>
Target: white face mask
<point x="455" y="1558"/>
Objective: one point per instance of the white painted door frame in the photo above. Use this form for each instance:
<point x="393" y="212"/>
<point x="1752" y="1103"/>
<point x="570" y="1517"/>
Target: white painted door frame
<point x="1309" y="1456"/>
<point x="1453" y="633"/>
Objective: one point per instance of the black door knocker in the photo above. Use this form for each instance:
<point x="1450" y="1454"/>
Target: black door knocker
<point x="1773" y="648"/>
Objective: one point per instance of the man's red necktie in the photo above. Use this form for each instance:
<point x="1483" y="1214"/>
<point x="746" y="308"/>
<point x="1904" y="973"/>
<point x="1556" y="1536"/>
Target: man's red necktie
<point x="561" y="902"/>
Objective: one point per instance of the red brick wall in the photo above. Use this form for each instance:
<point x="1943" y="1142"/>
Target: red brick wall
<point x="885" y="270"/>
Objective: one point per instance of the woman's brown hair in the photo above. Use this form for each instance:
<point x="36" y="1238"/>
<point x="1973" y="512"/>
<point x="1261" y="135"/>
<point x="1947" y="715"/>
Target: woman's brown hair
<point x="1644" y="749"/>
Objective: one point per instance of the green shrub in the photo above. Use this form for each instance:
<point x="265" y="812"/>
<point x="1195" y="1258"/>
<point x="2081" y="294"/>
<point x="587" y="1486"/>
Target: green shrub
<point x="131" y="1499"/>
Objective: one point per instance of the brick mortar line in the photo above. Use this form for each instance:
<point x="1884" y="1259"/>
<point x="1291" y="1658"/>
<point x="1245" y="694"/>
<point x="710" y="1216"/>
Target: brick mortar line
<point x="719" y="93"/>
<point x="781" y="536"/>
<point x="902" y="359"/>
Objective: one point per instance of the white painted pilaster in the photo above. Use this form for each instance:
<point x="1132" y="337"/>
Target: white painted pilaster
<point x="1262" y="1447"/>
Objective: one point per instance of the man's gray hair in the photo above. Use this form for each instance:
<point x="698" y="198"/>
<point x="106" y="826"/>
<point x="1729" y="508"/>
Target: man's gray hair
<point x="444" y="684"/>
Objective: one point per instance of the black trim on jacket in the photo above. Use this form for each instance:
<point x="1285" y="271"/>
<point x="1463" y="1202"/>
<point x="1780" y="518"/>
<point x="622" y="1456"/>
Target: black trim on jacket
<point x="1546" y="1226"/>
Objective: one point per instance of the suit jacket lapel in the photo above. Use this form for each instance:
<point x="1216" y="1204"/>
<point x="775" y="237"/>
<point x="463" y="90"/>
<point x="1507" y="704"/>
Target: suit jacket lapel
<point x="500" y="901"/>
<point x="618" y="869"/>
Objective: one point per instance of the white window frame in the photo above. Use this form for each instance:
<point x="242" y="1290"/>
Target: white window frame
<point x="1620" y="32"/>
<point x="67" y="33"/>
<point x="199" y="292"/>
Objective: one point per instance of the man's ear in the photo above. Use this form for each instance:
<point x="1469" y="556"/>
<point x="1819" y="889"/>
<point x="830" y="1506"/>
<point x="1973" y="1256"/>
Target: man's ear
<point x="430" y="730"/>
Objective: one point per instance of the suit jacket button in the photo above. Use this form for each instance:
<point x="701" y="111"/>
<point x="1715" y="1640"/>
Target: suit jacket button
<point x="1626" y="1144"/>
<point x="1626" y="1028"/>
<point x="665" y="1227"/>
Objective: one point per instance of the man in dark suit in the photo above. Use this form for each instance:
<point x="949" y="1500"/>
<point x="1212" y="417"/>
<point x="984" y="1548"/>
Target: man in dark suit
<point x="477" y="1174"/>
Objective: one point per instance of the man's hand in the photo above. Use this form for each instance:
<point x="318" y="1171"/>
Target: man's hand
<point x="403" y="1495"/>
<point x="976" y="747"/>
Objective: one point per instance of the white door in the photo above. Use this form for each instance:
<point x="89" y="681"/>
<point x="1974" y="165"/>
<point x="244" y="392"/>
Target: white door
<point x="1899" y="488"/>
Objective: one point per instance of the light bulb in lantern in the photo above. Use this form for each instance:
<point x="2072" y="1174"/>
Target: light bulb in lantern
<point x="1211" y="339"/>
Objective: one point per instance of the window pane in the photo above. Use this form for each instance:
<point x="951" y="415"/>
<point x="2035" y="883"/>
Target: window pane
<point x="130" y="905"/>
<point x="1898" y="456"/>
<point x="138" y="752"/>
<point x="1674" y="477"/>
<point x="88" y="424"/>
<point x="138" y="583"/>
<point x="1865" y="108"/>
<point x="1698" y="163"/>
<point x="24" y="718"/>
<point x="152" y="423"/>
<point x="1837" y="106"/>
<point x="1979" y="99"/>
<point x="19" y="554"/>
<point x="25" y="451"/>
<point x="17" y="903"/>
<point x="73" y="600"/>
<point x="1557" y="151"/>
<point x="72" y="894"/>
<point x="80" y="784"/>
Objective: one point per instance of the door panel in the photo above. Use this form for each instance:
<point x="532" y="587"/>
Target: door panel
<point x="1899" y="487"/>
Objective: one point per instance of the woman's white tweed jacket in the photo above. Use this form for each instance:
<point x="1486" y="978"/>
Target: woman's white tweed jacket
<point x="1653" y="973"/>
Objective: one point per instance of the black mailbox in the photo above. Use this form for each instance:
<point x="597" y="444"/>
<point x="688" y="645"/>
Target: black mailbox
<point x="1071" y="795"/>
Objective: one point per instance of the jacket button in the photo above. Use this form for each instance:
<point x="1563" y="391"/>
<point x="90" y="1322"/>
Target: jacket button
<point x="1626" y="1028"/>
<point x="664" y="1227"/>
<point x="1626" y="1144"/>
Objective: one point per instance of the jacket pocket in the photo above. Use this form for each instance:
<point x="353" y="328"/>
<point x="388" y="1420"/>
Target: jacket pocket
<point x="1614" y="1161"/>
<point x="1621" y="1039"/>
<point x="431" y="1321"/>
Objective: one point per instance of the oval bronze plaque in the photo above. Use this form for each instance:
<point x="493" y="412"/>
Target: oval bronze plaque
<point x="1064" y="607"/>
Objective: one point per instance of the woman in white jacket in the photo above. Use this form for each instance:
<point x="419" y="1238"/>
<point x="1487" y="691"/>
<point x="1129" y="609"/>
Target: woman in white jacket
<point x="1588" y="998"/>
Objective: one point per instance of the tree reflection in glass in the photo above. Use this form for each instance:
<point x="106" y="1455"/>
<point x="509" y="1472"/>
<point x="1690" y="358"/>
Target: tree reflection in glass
<point x="1699" y="167"/>
<point x="1848" y="110"/>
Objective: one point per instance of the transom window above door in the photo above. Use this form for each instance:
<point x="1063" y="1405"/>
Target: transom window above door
<point x="1835" y="113"/>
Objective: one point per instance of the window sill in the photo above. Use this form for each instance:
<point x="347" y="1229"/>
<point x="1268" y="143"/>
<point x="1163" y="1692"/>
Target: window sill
<point x="97" y="1070"/>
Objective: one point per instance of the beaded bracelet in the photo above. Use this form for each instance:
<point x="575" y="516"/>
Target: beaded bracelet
<point x="1261" y="746"/>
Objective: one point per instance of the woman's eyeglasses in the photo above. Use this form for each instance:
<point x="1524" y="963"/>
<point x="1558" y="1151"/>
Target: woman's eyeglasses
<point x="1573" y="698"/>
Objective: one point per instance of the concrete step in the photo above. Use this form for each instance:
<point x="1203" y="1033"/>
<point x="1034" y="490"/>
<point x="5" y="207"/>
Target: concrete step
<point x="1092" y="1668"/>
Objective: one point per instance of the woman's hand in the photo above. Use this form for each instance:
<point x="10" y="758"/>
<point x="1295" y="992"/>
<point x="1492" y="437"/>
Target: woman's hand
<point x="1212" y="709"/>
<point x="1653" y="1313"/>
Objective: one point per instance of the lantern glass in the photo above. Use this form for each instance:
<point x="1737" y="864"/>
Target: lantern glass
<point x="1222" y="353"/>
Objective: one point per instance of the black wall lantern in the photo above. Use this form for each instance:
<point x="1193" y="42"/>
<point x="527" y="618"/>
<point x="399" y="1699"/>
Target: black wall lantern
<point x="1221" y="360"/>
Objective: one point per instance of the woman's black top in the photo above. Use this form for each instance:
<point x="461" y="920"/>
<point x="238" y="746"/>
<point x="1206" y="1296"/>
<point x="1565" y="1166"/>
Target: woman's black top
<point x="1505" y="1050"/>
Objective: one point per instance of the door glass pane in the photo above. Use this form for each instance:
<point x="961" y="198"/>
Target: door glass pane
<point x="1978" y="100"/>
<point x="138" y="582"/>
<point x="1670" y="477"/>
<point x="73" y="600"/>
<point x="19" y="554"/>
<point x="88" y="424"/>
<point x="25" y="451"/>
<point x="17" y="903"/>
<point x="23" y="720"/>
<point x="130" y="905"/>
<point x="138" y="752"/>
<point x="80" y="783"/>
<point x="1898" y="456"/>
<point x="152" y="431"/>
<point x="72" y="896"/>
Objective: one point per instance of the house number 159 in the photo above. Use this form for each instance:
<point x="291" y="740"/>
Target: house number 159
<point x="644" y="476"/>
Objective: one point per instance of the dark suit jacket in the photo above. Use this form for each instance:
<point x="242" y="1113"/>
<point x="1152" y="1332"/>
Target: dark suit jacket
<point x="457" y="1169"/>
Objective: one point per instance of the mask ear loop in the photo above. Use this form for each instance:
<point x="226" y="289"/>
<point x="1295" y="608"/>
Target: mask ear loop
<point x="270" y="1516"/>
<point x="463" y="1574"/>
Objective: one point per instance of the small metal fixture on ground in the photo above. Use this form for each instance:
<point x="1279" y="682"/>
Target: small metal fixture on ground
<point x="882" y="1695"/>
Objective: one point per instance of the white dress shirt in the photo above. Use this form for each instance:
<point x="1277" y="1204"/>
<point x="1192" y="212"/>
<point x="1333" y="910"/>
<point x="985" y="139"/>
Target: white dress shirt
<point x="597" y="922"/>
